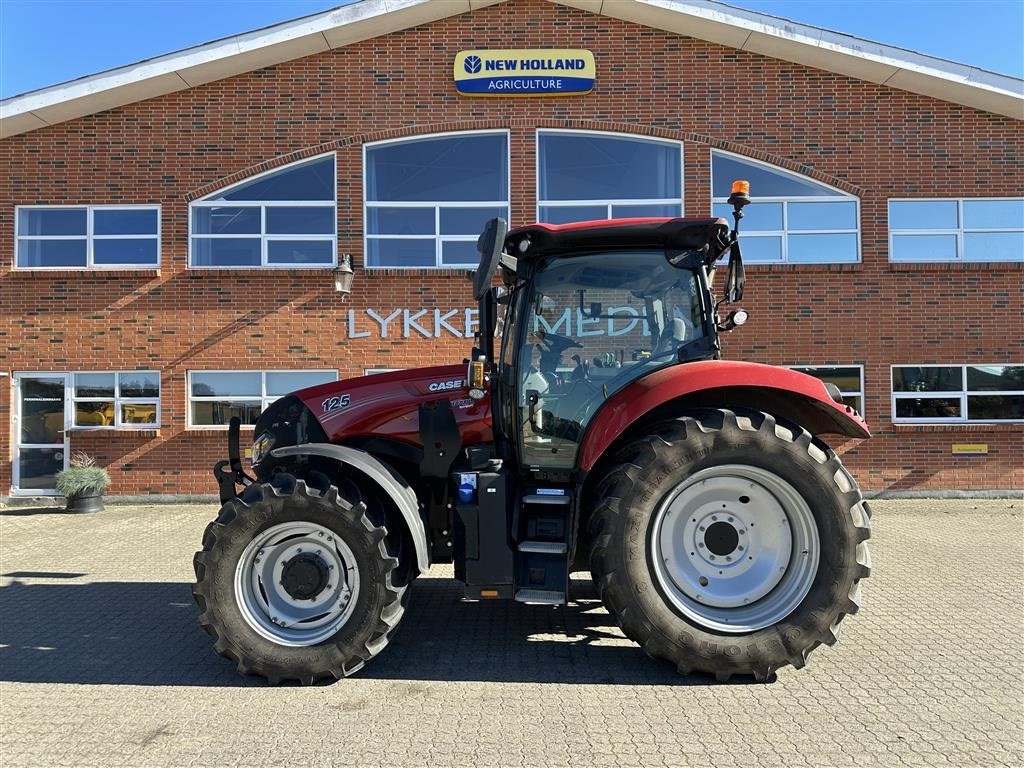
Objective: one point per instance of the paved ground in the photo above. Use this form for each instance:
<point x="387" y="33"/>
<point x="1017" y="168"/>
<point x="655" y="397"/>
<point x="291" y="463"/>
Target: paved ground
<point x="102" y="663"/>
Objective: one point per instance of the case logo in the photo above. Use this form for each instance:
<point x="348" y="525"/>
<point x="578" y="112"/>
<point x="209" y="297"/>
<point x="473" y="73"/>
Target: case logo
<point x="444" y="386"/>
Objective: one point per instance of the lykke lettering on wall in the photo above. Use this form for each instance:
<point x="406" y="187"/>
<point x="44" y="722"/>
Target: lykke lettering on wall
<point x="400" y="323"/>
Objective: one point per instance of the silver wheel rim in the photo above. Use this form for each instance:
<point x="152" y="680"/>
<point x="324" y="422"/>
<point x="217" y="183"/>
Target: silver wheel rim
<point x="735" y="548"/>
<point x="270" y="610"/>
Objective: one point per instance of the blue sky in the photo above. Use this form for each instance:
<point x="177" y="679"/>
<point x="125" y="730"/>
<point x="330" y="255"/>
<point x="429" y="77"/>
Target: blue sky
<point x="43" y="42"/>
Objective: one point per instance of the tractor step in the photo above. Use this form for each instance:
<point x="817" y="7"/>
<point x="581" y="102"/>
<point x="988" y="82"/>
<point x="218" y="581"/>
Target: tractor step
<point x="543" y="596"/>
<point x="543" y="527"/>
<point x="544" y="547"/>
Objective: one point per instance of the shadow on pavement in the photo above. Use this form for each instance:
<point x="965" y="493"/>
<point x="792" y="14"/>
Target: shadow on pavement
<point x="32" y="511"/>
<point x="145" y="633"/>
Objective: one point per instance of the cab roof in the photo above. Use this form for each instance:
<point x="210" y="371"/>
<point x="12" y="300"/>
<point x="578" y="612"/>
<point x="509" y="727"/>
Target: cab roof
<point x="683" y="234"/>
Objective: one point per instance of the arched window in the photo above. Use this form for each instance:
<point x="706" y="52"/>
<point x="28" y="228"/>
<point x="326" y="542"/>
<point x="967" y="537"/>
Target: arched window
<point x="428" y="197"/>
<point x="792" y="219"/>
<point x="585" y="176"/>
<point x="283" y="218"/>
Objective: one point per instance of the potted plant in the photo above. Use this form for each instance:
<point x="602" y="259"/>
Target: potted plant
<point x="83" y="483"/>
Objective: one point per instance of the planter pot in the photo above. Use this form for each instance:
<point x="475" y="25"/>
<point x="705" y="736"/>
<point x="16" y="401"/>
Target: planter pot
<point x="85" y="503"/>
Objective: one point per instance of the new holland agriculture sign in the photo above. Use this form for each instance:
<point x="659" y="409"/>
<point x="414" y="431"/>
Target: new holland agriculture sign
<point x="530" y="72"/>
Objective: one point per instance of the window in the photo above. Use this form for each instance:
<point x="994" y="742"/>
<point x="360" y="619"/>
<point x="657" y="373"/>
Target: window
<point x="284" y="218"/>
<point x="848" y="378"/>
<point x="216" y="396"/>
<point x="956" y="230"/>
<point x="116" y="400"/>
<point x="957" y="393"/>
<point x="87" y="237"/>
<point x="428" y="198"/>
<point x="792" y="219"/>
<point x="587" y="176"/>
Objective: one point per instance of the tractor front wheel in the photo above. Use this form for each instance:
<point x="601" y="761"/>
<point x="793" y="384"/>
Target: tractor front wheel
<point x="296" y="582"/>
<point x="729" y="543"/>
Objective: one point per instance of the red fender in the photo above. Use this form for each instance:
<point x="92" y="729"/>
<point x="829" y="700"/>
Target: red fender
<point x="722" y="383"/>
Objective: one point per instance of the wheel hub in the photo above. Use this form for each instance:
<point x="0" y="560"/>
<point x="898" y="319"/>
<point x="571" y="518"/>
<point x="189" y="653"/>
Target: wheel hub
<point x="304" y="576"/>
<point x="734" y="548"/>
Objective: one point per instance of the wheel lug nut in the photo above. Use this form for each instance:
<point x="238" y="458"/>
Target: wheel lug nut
<point x="742" y="531"/>
<point x="320" y="534"/>
<point x="700" y="546"/>
<point x="702" y="528"/>
<point x="714" y="517"/>
<point x="741" y="548"/>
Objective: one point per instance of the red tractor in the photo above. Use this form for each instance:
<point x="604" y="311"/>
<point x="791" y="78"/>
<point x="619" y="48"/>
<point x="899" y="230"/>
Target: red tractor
<point x="595" y="428"/>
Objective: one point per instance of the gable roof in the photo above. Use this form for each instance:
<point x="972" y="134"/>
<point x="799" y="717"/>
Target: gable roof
<point x="365" y="19"/>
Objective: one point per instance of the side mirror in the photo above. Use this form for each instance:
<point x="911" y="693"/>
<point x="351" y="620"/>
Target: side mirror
<point x="489" y="244"/>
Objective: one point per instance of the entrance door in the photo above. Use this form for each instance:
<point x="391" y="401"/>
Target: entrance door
<point x="40" y="432"/>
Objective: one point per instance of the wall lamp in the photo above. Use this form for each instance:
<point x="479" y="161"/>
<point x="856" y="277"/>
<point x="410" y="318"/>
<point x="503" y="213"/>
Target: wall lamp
<point x="343" y="276"/>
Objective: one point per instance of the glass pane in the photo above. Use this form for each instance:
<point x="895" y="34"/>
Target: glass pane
<point x="94" y="385"/>
<point x="52" y="221"/>
<point x="300" y="252"/>
<point x="219" y="412"/>
<point x="300" y="221"/>
<point x="226" y="252"/>
<point x="38" y="467"/>
<point x="582" y="167"/>
<point x="994" y="246"/>
<point x="460" y="254"/>
<point x="994" y="214"/>
<point x="757" y="217"/>
<point x="565" y="214"/>
<point x="51" y="253"/>
<point x="124" y="221"/>
<point x="927" y="407"/>
<point x="138" y="413"/>
<point x="923" y="248"/>
<point x="140" y="384"/>
<point x="761" y="249"/>
<point x="469" y="221"/>
<point x="401" y="253"/>
<point x="91" y="414"/>
<point x="995" y="378"/>
<point x="855" y="402"/>
<point x="400" y="221"/>
<point x="923" y="214"/>
<point x="225" y="221"/>
<point x="303" y="181"/>
<point x="132" y="252"/>
<point x="818" y="216"/>
<point x="764" y="181"/>
<point x="216" y="384"/>
<point x="847" y="379"/>
<point x="284" y="382"/>
<point x="995" y="407"/>
<point x="642" y="211"/>
<point x="821" y="249"/>
<point x="910" y="378"/>
<point x="42" y="410"/>
<point x="452" y="168"/>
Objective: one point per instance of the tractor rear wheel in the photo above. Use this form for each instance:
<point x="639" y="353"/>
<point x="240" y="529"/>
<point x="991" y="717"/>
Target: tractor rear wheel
<point x="729" y="543"/>
<point x="295" y="582"/>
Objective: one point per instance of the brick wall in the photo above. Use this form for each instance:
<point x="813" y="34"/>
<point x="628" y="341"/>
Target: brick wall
<point x="873" y="141"/>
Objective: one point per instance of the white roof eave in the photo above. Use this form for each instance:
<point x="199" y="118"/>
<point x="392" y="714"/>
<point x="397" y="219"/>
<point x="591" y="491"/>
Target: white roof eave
<point x="366" y="19"/>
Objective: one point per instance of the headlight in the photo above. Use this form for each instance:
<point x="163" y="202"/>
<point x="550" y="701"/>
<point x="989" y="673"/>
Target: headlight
<point x="261" y="447"/>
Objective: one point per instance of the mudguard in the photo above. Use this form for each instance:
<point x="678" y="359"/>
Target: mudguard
<point x="720" y="383"/>
<point x="387" y="478"/>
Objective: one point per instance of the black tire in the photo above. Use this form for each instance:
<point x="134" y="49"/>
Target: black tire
<point x="379" y="605"/>
<point x="645" y="471"/>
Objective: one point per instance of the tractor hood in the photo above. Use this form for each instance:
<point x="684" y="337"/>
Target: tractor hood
<point x="384" y="405"/>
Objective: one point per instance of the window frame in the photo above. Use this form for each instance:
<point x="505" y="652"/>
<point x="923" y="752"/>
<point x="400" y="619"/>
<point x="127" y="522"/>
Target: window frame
<point x="89" y="237"/>
<point x="262" y="205"/>
<point x="962" y="394"/>
<point x="263" y="398"/>
<point x="607" y="202"/>
<point x="73" y="399"/>
<point x="784" y="234"/>
<point x="439" y="239"/>
<point x="843" y="392"/>
<point x="959" y="231"/>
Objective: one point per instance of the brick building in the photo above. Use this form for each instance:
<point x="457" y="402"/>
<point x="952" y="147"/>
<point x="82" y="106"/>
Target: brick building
<point x="169" y="230"/>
